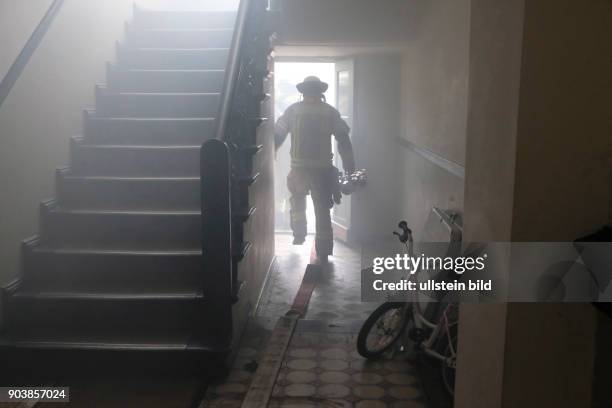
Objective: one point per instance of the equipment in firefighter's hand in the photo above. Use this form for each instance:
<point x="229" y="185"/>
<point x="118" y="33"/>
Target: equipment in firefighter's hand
<point x="346" y="183"/>
<point x="349" y="182"/>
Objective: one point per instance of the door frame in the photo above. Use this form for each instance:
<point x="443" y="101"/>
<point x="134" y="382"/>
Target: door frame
<point x="342" y="228"/>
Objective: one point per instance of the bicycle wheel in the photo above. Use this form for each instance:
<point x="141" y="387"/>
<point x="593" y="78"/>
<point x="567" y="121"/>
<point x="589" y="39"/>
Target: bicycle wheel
<point x="382" y="329"/>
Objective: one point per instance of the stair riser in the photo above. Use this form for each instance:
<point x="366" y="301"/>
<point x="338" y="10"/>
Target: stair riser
<point x="156" y="105"/>
<point x="148" y="132"/>
<point x="165" y="81"/>
<point x="113" y="314"/>
<point x="126" y="231"/>
<point x="146" y="19"/>
<point x="129" y="161"/>
<point x="129" y="194"/>
<point x="184" y="39"/>
<point x="95" y="272"/>
<point x="128" y="58"/>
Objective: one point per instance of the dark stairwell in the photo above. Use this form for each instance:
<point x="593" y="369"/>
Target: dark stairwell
<point x="117" y="268"/>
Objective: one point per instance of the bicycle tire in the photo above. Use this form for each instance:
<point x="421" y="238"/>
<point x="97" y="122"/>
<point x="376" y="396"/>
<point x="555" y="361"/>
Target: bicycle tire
<point x="362" y="339"/>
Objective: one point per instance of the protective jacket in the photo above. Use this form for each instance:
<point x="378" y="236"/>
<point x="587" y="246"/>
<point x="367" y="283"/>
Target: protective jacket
<point x="312" y="125"/>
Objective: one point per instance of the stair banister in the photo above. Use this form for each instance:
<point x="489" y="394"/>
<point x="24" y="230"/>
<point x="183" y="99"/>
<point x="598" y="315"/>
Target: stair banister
<point x="232" y="70"/>
<point x="216" y="193"/>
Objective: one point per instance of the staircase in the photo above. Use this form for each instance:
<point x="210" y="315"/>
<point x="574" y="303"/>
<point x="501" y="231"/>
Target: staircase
<point x="117" y="266"/>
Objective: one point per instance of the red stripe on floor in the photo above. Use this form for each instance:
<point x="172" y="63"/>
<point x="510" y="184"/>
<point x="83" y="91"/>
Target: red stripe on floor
<point x="313" y="254"/>
<point x="302" y="297"/>
<point x="261" y="388"/>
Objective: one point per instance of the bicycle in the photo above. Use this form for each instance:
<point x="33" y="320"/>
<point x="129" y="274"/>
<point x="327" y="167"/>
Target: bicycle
<point x="433" y="337"/>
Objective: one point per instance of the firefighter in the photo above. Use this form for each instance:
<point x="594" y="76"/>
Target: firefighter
<point x="311" y="123"/>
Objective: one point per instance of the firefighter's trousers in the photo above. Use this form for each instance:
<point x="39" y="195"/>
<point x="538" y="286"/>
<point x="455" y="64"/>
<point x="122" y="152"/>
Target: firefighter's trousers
<point x="317" y="182"/>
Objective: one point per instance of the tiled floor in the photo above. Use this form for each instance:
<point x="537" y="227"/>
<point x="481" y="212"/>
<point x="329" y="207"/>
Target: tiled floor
<point x="321" y="367"/>
<point x="325" y="370"/>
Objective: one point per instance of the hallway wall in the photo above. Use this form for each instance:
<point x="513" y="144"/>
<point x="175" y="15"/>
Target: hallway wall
<point x="565" y="126"/>
<point x="539" y="151"/>
<point x="344" y="22"/>
<point x="377" y="117"/>
<point x="434" y="111"/>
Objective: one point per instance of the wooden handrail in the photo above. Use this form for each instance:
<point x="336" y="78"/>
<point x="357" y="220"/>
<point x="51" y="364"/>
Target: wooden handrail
<point x="233" y="69"/>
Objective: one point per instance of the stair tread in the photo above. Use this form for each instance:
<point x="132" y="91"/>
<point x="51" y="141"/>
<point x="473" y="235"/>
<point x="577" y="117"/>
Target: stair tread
<point x="97" y="116"/>
<point x="110" y="251"/>
<point x="103" y="339"/>
<point x="124" y="212"/>
<point x="210" y="56"/>
<point x="114" y="92"/>
<point x="106" y="294"/>
<point x="130" y="178"/>
<point x="182" y="11"/>
<point x="146" y="248"/>
<point x="140" y="147"/>
<point x="170" y="49"/>
<point x="185" y="30"/>
<point x="152" y="119"/>
<point x="168" y="70"/>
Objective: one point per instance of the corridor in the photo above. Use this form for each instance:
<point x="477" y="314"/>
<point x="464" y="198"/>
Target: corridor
<point x="321" y="367"/>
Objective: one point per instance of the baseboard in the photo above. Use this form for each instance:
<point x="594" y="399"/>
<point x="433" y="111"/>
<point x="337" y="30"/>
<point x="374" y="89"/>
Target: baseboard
<point x="264" y="287"/>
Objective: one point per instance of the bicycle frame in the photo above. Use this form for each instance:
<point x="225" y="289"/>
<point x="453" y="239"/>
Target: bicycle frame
<point x="437" y="329"/>
<point x="442" y="327"/>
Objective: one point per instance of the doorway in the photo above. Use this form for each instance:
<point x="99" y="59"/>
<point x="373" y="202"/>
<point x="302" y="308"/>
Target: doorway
<point x="339" y="75"/>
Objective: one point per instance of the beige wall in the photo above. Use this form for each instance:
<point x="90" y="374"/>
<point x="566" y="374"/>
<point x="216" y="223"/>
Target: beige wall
<point x="564" y="153"/>
<point x="377" y="115"/>
<point x="18" y="19"/>
<point x="434" y="85"/>
<point x="495" y="61"/>
<point x="565" y="124"/>
<point x="345" y="22"/>
<point x="435" y="80"/>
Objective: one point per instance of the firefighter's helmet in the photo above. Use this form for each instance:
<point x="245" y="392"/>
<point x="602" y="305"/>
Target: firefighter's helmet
<point x="312" y="84"/>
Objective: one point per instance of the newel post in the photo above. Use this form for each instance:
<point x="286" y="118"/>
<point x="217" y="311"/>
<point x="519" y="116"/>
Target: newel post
<point x="215" y="172"/>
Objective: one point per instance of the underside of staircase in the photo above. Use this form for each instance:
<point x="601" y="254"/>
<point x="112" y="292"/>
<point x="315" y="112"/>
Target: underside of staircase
<point x="117" y="266"/>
